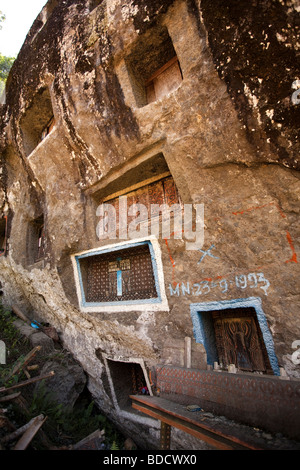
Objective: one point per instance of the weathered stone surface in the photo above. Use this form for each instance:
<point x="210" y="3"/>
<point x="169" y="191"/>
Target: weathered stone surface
<point x="67" y="384"/>
<point x="40" y="339"/>
<point x="228" y="135"/>
<point x="25" y="329"/>
<point x="36" y="337"/>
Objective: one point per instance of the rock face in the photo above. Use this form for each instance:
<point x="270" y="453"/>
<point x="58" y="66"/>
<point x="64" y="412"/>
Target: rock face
<point x="67" y="384"/>
<point x="177" y="102"/>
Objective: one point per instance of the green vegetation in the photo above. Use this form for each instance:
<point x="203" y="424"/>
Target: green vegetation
<point x="67" y="426"/>
<point x="64" y="426"/>
<point x="2" y="18"/>
<point x="5" y="62"/>
<point x="5" y="66"/>
<point x="16" y="346"/>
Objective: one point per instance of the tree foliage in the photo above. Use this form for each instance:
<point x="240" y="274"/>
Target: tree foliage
<point x="5" y="66"/>
<point x="2" y="18"/>
<point x="5" y="62"/>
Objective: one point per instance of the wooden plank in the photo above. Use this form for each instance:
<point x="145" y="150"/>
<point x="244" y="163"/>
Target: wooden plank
<point x="22" y="403"/>
<point x="91" y="442"/>
<point x="29" y="434"/>
<point x="28" y="382"/>
<point x="18" y="432"/>
<point x="23" y="362"/>
<point x="10" y="397"/>
<point x="167" y="81"/>
<point x="136" y="186"/>
<point x="165" y="436"/>
<point x="168" y="64"/>
<point x="199" y="434"/>
<point x="20" y="314"/>
<point x="169" y="412"/>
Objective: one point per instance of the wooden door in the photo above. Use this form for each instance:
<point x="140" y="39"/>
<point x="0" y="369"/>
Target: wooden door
<point x="239" y="341"/>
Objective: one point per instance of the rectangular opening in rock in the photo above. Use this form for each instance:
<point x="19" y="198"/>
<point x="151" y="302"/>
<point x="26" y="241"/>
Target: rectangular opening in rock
<point x="151" y="197"/>
<point x="3" y="240"/>
<point x="38" y="120"/>
<point x="127" y="378"/>
<point x="118" y="276"/>
<point x="36" y="240"/>
<point x="153" y="67"/>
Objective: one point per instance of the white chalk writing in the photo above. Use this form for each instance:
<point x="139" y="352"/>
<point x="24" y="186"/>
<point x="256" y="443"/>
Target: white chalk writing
<point x="295" y="96"/>
<point x="241" y="281"/>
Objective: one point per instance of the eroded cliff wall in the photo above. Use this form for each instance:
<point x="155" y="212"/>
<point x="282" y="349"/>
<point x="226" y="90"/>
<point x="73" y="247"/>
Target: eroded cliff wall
<point x="226" y="132"/>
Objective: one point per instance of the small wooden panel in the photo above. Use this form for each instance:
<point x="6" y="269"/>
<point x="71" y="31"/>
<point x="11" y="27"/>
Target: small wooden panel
<point x="165" y="80"/>
<point x="149" y="196"/>
<point x="165" y="436"/>
<point x="48" y="128"/>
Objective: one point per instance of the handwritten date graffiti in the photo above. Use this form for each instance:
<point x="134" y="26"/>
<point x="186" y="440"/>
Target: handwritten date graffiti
<point x="242" y="281"/>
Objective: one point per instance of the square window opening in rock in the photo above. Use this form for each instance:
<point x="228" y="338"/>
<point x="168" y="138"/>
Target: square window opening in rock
<point x="127" y="379"/>
<point x="36" y="241"/>
<point x="124" y="275"/>
<point x="38" y="121"/>
<point x="152" y="168"/>
<point x="153" y="67"/>
<point x="3" y="235"/>
<point x="148" y="184"/>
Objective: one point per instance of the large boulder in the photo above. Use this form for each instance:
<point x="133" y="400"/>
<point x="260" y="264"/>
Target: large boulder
<point x="67" y="383"/>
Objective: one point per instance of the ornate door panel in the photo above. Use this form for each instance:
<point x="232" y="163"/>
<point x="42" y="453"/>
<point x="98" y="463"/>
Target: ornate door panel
<point x="238" y="341"/>
<point x="120" y="276"/>
<point x="151" y="196"/>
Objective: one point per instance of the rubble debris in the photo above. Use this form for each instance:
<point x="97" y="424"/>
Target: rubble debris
<point x="5" y="422"/>
<point x="33" y="426"/>
<point x="35" y="326"/>
<point x="47" y="329"/>
<point x="194" y="408"/>
<point x="10" y="397"/>
<point x="46" y="343"/>
<point x="23" y="363"/>
<point x="24" y="407"/>
<point x="92" y="442"/>
<point x="18" y="432"/>
<point x="28" y="382"/>
<point x="69" y="384"/>
<point x="51" y="332"/>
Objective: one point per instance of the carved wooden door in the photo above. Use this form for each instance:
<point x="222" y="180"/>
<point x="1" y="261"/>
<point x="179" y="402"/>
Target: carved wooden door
<point x="238" y="341"/>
